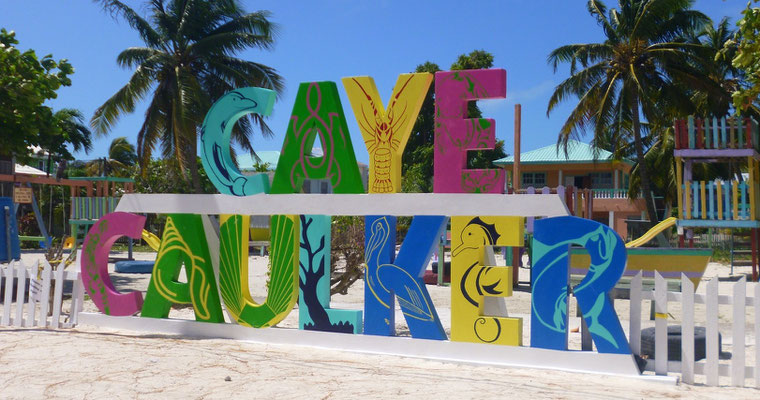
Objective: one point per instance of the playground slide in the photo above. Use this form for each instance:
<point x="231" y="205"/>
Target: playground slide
<point x="152" y="240"/>
<point x="652" y="233"/>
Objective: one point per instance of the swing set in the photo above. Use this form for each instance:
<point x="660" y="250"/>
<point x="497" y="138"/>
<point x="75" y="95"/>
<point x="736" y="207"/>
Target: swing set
<point x="91" y="198"/>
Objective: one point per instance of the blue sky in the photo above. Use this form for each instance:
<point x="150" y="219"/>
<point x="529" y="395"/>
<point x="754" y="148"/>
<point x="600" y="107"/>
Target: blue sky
<point x="331" y="39"/>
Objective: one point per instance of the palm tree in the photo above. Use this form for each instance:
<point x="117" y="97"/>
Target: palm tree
<point x="638" y="71"/>
<point x="70" y="129"/>
<point x="121" y="156"/>
<point x="189" y="61"/>
<point x="720" y="50"/>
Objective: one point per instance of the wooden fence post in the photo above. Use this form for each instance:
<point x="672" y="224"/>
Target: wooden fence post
<point x="660" y="324"/>
<point x="20" y="290"/>
<point x="635" y="318"/>
<point x="687" y="330"/>
<point x="737" y="330"/>
<point x="711" y="300"/>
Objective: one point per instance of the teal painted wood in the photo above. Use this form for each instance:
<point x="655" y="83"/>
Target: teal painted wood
<point x="695" y="197"/>
<point x="743" y="201"/>
<point x="723" y="139"/>
<point x="716" y="142"/>
<point x="727" y="209"/>
<point x="708" y="133"/>
<point x="739" y="131"/>
<point x="714" y="223"/>
<point x="711" y="214"/>
<point x="690" y="123"/>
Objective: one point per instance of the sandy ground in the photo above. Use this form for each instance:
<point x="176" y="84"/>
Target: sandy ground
<point x="92" y="362"/>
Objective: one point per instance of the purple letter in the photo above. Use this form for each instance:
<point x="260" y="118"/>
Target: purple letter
<point x="94" y="255"/>
<point x="455" y="134"/>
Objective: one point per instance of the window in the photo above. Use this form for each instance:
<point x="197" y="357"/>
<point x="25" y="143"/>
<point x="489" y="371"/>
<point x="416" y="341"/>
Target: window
<point x="601" y="180"/>
<point x="535" y="179"/>
<point x="323" y="188"/>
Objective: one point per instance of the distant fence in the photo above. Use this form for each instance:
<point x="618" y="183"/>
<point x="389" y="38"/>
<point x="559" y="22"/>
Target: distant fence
<point x="33" y="304"/>
<point x="610" y="193"/>
<point x="580" y="202"/>
<point x="712" y="367"/>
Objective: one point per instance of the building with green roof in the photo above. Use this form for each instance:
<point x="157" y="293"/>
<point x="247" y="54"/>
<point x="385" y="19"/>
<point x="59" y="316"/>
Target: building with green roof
<point x="584" y="168"/>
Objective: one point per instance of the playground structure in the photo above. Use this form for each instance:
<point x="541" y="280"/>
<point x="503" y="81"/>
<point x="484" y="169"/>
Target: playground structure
<point x="650" y="234"/>
<point x="26" y="181"/>
<point x="718" y="204"/>
<point x="100" y="198"/>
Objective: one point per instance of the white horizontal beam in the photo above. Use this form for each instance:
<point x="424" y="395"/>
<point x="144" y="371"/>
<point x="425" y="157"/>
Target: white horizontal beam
<point x="440" y="350"/>
<point x="528" y="205"/>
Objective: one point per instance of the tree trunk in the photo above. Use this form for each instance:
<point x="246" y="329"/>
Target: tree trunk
<point x="638" y="144"/>
<point x="192" y="162"/>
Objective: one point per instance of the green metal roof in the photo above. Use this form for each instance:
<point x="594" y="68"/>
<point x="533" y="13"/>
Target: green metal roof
<point x="246" y="162"/>
<point x="577" y="153"/>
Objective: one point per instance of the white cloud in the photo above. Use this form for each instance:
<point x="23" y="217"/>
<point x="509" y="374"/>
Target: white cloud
<point x="531" y="93"/>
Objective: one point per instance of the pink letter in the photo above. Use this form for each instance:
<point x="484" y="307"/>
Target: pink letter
<point x="455" y="134"/>
<point x="94" y="255"/>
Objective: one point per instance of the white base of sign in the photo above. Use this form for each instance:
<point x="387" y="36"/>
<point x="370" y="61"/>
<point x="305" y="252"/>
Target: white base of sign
<point x="473" y="353"/>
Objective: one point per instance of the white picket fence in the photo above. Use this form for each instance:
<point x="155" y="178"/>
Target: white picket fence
<point x="34" y="309"/>
<point x="711" y="367"/>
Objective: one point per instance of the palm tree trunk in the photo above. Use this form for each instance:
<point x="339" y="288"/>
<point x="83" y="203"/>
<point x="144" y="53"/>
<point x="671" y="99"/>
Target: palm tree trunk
<point x="638" y="144"/>
<point x="193" y="166"/>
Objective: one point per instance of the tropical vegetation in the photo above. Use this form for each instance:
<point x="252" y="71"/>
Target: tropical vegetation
<point x="121" y="157"/>
<point x="187" y="62"/>
<point x="26" y="83"/>
<point x="417" y="160"/>
<point x="747" y="58"/>
<point x="628" y="87"/>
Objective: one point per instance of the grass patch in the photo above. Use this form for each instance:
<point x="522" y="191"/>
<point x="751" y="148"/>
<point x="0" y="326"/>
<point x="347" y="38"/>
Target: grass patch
<point x="142" y="248"/>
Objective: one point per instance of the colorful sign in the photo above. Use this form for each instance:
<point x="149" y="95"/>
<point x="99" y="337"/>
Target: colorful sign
<point x="300" y="247"/>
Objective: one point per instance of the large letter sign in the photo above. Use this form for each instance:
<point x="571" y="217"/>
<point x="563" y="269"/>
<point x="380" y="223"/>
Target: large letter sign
<point x="216" y="262"/>
<point x="552" y="238"/>
<point x="386" y="132"/>
<point x="455" y="135"/>
<point x="314" y="312"/>
<point x="215" y="140"/>
<point x="476" y="280"/>
<point x="233" y="271"/>
<point x="401" y="279"/>
<point x="318" y="113"/>
<point x="183" y="241"/>
<point x="95" y="248"/>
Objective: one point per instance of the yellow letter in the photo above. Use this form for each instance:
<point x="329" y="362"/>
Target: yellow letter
<point x="478" y="312"/>
<point x="386" y="132"/>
